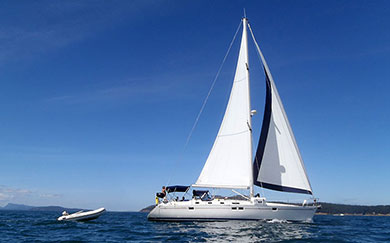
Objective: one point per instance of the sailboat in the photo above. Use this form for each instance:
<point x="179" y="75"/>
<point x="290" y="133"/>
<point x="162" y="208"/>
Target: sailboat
<point x="276" y="165"/>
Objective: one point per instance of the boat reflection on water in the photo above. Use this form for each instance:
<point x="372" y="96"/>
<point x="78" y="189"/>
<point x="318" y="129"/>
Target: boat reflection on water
<point x="242" y="231"/>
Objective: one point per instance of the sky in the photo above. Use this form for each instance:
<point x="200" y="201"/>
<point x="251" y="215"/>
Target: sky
<point x="97" y="98"/>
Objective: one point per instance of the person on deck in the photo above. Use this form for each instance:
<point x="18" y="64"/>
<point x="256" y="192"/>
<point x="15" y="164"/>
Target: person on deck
<point x="163" y="193"/>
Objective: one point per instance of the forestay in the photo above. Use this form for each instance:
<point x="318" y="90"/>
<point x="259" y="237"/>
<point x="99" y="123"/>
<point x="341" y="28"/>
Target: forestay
<point x="229" y="162"/>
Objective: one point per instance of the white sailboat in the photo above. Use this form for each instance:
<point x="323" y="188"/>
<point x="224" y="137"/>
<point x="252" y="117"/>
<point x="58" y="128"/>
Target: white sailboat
<point x="277" y="164"/>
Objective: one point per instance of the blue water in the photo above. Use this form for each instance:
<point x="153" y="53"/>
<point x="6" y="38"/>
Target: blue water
<point x="22" y="226"/>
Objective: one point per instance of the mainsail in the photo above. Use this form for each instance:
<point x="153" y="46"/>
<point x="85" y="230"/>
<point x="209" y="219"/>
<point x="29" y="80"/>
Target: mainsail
<point x="229" y="164"/>
<point x="278" y="164"/>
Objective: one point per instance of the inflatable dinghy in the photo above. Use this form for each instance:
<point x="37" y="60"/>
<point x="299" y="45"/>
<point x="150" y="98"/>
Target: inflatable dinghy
<point x="81" y="215"/>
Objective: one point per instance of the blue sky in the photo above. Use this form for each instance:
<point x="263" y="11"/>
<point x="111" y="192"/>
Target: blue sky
<point x="97" y="98"/>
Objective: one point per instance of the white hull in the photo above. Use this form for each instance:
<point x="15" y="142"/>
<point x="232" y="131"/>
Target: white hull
<point x="215" y="210"/>
<point x="82" y="216"/>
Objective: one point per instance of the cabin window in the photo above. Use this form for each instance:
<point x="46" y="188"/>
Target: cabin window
<point x="222" y="203"/>
<point x="234" y="208"/>
<point x="210" y="202"/>
<point x="191" y="208"/>
<point x="274" y="209"/>
<point x="235" y="203"/>
<point x="240" y="208"/>
<point x="196" y="202"/>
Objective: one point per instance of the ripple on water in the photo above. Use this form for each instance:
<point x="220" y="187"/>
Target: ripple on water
<point x="118" y="227"/>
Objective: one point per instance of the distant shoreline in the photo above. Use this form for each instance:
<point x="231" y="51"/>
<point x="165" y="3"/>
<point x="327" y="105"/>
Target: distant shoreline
<point x="22" y="207"/>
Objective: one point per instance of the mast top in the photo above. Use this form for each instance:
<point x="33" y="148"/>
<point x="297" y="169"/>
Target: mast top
<point x="245" y="18"/>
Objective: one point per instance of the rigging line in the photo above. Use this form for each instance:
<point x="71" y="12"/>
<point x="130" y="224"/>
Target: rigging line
<point x="211" y="88"/>
<point x="259" y="54"/>
<point x="208" y="94"/>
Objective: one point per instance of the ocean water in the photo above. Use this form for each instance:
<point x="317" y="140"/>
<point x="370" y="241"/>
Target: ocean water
<point x="24" y="226"/>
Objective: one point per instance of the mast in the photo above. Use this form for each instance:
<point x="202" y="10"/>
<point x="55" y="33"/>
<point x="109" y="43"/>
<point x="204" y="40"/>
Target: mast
<point x="245" y="39"/>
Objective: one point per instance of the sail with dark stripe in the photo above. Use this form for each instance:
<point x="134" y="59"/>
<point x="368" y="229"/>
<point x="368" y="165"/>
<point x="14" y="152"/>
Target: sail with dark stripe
<point x="278" y="164"/>
<point x="264" y="132"/>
